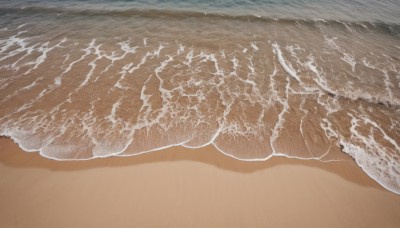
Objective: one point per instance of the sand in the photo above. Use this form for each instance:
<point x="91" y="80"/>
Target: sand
<point x="179" y="187"/>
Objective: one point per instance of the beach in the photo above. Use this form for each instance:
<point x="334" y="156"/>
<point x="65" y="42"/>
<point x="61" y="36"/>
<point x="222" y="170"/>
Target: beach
<point x="197" y="113"/>
<point x="179" y="187"/>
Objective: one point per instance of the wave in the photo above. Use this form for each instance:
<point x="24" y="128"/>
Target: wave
<point x="253" y="92"/>
<point x="167" y="14"/>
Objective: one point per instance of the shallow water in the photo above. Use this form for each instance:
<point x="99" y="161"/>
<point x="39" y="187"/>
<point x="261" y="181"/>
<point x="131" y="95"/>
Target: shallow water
<point x="85" y="79"/>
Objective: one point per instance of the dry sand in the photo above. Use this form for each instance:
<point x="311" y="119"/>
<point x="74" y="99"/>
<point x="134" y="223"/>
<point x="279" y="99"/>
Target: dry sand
<point x="178" y="187"/>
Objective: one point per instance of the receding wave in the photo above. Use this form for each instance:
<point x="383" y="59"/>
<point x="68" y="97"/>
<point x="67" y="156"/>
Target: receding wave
<point x="307" y="89"/>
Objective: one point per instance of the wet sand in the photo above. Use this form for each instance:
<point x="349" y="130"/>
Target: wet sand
<point x="188" y="188"/>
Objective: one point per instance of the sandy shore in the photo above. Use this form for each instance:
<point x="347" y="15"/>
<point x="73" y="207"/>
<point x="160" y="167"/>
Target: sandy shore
<point x="179" y="187"/>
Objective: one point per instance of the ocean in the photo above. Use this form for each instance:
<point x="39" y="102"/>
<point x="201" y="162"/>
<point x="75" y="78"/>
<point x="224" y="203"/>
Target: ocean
<point x="303" y="79"/>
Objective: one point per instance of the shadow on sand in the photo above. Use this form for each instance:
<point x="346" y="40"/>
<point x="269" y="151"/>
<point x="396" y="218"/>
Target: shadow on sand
<point x="12" y="156"/>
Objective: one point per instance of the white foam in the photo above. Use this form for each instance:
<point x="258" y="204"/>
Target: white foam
<point x="87" y="52"/>
<point x="346" y="26"/>
<point x="251" y="66"/>
<point x="373" y="166"/>
<point x="285" y="64"/>
<point x="326" y="125"/>
<point x="130" y="68"/>
<point x="362" y="25"/>
<point x="244" y="50"/>
<point x="235" y="66"/>
<point x="254" y="46"/>
<point x="112" y="116"/>
<point x="320" y="20"/>
<point x="373" y="157"/>
<point x="211" y="57"/>
<point x="281" y="119"/>
<point x="330" y="42"/>
<point x="301" y="124"/>
<point x="126" y="47"/>
<point x="13" y="40"/>
<point x="92" y="64"/>
<point x="25" y="88"/>
<point x="366" y="120"/>
<point x="386" y="79"/>
<point x="189" y="58"/>
<point x="44" y="49"/>
<point x="164" y="63"/>
<point x="350" y="60"/>
<point x="181" y="49"/>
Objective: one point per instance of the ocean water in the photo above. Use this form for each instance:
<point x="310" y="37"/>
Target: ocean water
<point x="303" y="79"/>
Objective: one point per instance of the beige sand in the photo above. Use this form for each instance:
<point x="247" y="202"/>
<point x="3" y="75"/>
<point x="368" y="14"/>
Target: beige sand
<point x="188" y="188"/>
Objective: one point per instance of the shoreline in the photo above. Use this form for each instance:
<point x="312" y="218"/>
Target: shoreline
<point x="179" y="187"/>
